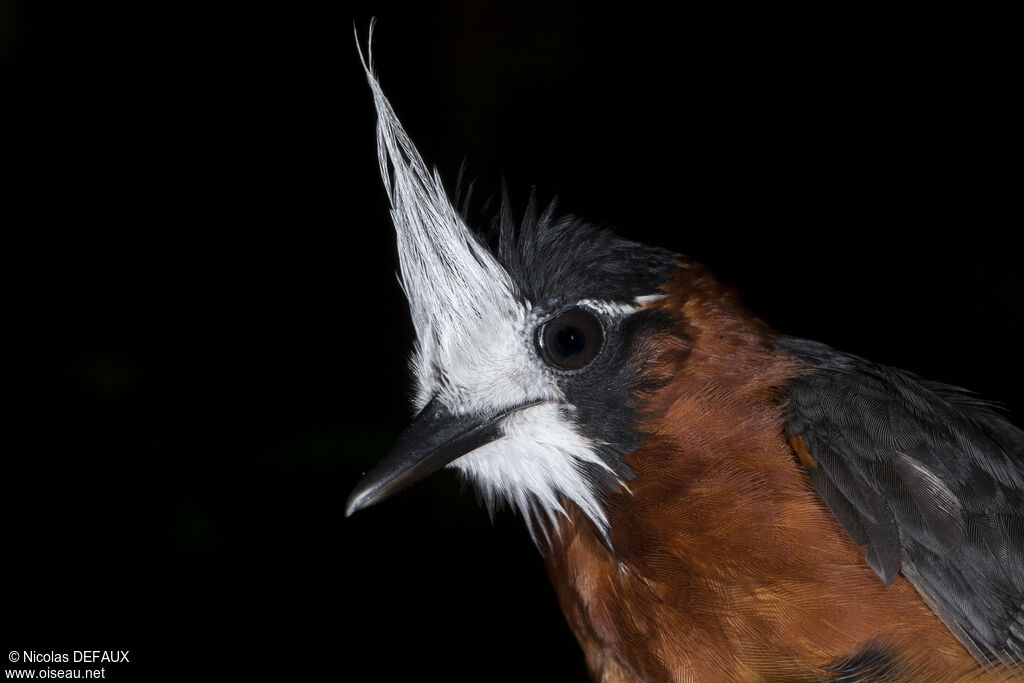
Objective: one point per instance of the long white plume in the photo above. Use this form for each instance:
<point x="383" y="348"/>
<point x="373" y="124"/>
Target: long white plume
<point x="452" y="281"/>
<point x="474" y="350"/>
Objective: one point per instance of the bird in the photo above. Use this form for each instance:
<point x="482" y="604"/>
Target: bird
<point x="713" y="500"/>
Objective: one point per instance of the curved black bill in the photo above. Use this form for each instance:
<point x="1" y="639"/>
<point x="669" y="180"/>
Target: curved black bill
<point x="434" y="439"/>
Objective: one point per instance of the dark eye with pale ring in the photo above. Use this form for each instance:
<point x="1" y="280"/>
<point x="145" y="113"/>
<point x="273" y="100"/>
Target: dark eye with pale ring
<point x="571" y="339"/>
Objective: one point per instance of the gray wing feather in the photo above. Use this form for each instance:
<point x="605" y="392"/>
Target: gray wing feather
<point x="929" y="479"/>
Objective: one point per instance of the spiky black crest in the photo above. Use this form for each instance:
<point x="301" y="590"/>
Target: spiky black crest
<point x="555" y="259"/>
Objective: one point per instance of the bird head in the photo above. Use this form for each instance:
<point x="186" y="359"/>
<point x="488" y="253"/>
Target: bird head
<point x="529" y="351"/>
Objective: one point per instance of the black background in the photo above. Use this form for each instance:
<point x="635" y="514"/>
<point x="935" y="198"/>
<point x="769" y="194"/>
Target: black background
<point x="210" y="340"/>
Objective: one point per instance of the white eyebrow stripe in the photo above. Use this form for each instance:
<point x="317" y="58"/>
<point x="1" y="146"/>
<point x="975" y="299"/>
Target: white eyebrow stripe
<point x="647" y="299"/>
<point x="614" y="309"/>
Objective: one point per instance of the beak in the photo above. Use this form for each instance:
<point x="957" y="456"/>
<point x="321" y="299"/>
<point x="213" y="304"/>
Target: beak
<point x="435" y="438"/>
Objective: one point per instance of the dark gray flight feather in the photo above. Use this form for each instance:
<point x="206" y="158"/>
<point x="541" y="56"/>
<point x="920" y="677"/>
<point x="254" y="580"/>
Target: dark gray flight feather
<point x="929" y="479"/>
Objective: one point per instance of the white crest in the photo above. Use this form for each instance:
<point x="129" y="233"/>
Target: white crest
<point x="474" y="349"/>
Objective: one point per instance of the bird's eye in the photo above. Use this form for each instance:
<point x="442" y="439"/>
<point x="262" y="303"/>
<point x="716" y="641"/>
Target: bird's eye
<point x="570" y="340"/>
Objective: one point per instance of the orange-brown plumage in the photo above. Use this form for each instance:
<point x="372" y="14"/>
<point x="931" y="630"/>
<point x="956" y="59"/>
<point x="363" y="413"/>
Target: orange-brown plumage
<point x="731" y="567"/>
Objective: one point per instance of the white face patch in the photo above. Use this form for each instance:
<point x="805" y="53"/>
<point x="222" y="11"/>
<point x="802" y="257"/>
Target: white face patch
<point x="538" y="462"/>
<point x="534" y="466"/>
<point x="474" y="350"/>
